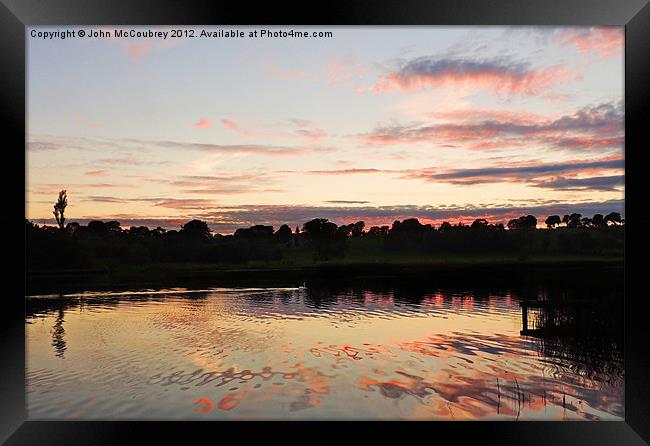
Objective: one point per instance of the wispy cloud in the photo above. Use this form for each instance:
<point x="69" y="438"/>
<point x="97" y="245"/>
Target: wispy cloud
<point x="127" y="146"/>
<point x="74" y="188"/>
<point x="165" y="202"/>
<point x="500" y="75"/>
<point x="505" y="174"/>
<point x="356" y="171"/>
<point x="345" y="72"/>
<point x="295" y="128"/>
<point x="606" y="183"/>
<point x="242" y="149"/>
<point x="202" y="123"/>
<point x="136" y="50"/>
<point x="226" y="184"/>
<point x="604" y="42"/>
<point x="42" y="146"/>
<point x="308" y="129"/>
<point x="346" y="202"/>
<point x="529" y="173"/>
<point x="232" y="125"/>
<point x="551" y="176"/>
<point x="97" y="173"/>
<point x="599" y="126"/>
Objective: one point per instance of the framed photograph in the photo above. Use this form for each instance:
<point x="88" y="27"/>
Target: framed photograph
<point x="294" y="221"/>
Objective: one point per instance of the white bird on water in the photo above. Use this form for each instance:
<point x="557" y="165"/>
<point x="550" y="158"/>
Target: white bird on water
<point x="302" y="287"/>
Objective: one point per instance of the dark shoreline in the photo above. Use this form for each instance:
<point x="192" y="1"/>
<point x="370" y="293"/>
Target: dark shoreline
<point x="501" y="272"/>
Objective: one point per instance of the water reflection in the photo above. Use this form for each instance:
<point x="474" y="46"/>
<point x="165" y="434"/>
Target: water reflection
<point x="331" y="352"/>
<point x="58" y="332"/>
<point x="584" y="336"/>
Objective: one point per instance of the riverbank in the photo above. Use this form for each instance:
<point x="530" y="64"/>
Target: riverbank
<point x="471" y="268"/>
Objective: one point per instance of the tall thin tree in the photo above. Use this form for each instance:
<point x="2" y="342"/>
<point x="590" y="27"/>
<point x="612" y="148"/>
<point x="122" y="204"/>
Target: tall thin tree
<point x="59" y="209"/>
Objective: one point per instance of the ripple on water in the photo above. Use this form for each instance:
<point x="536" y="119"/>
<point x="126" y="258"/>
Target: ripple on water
<point x="280" y="353"/>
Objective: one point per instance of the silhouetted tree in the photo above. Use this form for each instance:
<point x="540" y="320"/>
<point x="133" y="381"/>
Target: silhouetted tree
<point x="97" y="227"/>
<point x="598" y="221"/>
<point x="256" y="232"/>
<point x="614" y="218"/>
<point x="59" y="209"/>
<point x="574" y="220"/>
<point x="479" y="223"/>
<point x="525" y="222"/>
<point x="377" y="231"/>
<point x="374" y="231"/>
<point x="139" y="231"/>
<point x="357" y="229"/>
<point x="319" y="228"/>
<point x="72" y="227"/>
<point x="284" y="234"/>
<point x="113" y="226"/>
<point x="325" y="237"/>
<point x="553" y="221"/>
<point x="445" y="226"/>
<point x="411" y="225"/>
<point x="345" y="230"/>
<point x="195" y="229"/>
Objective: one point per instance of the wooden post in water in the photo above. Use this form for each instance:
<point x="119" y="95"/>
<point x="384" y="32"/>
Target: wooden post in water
<point x="524" y="317"/>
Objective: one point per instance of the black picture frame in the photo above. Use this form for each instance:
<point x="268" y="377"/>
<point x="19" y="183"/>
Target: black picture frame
<point x="15" y="15"/>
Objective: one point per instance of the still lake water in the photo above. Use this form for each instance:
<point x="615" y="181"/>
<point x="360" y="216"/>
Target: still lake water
<point x="318" y="353"/>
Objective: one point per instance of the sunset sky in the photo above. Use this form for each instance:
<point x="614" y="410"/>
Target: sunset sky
<point x="373" y="124"/>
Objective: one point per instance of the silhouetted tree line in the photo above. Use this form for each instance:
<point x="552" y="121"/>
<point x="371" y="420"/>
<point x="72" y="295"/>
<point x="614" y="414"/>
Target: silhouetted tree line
<point x="577" y="235"/>
<point x="101" y="243"/>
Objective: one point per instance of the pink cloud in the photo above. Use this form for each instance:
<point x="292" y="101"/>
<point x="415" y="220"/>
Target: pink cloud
<point x="593" y="127"/>
<point x="97" y="173"/>
<point x="232" y="125"/>
<point x="499" y="75"/>
<point x="349" y="171"/>
<point x="308" y="129"/>
<point x="80" y="119"/>
<point x="343" y="71"/>
<point x="605" y="42"/>
<point x="184" y="203"/>
<point x="229" y="124"/>
<point x="136" y="51"/>
<point x="303" y="129"/>
<point x="337" y="71"/>
<point x="313" y="133"/>
<point x="202" y="124"/>
<point x="464" y="114"/>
